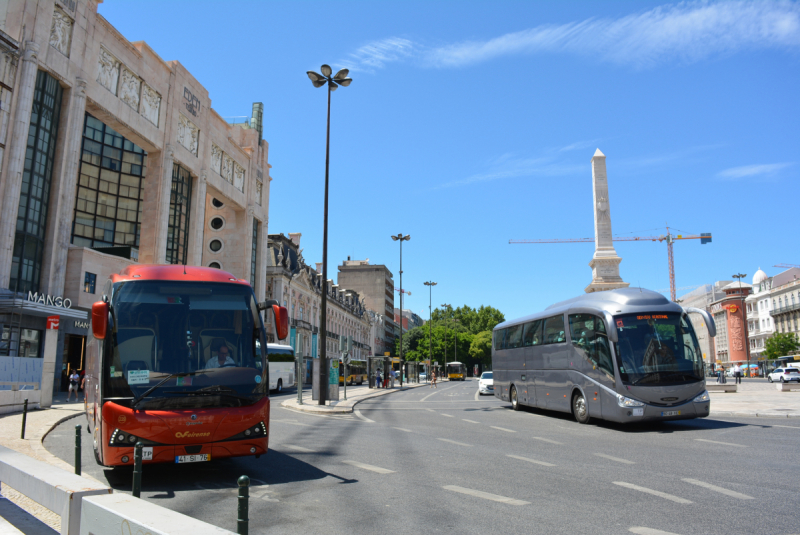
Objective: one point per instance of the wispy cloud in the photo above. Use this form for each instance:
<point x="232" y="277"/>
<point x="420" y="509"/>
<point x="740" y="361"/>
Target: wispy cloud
<point x="748" y="171"/>
<point x="685" y="32"/>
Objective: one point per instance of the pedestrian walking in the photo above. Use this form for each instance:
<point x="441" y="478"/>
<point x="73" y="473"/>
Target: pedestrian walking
<point x="722" y="378"/>
<point x="433" y="380"/>
<point x="393" y="374"/>
<point x="737" y="373"/>
<point x="377" y="378"/>
<point x="74" y="381"/>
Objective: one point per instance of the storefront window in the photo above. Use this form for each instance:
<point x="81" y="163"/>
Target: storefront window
<point x="89" y="281"/>
<point x="29" y="343"/>
<point x="254" y="254"/>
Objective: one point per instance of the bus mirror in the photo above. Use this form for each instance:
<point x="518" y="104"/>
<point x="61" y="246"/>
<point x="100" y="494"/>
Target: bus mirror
<point x="99" y="319"/>
<point x="281" y="321"/>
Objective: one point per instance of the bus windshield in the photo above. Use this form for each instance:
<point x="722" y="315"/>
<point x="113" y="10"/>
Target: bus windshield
<point x="184" y="345"/>
<point x="657" y="349"/>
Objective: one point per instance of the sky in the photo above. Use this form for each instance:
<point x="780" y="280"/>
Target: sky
<point x="470" y="123"/>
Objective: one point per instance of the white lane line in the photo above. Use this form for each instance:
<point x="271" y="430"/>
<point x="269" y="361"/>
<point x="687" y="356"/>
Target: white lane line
<point x="470" y="421"/>
<point x="401" y="429"/>
<point x="502" y="429"/>
<point x="547" y="440"/>
<point x="530" y="460"/>
<point x="448" y="415"/>
<point x="369" y="467"/>
<point x="721" y="490"/>
<point x="361" y="416"/>
<point x="436" y="392"/>
<point x="485" y="495"/>
<point x="477" y="395"/>
<point x="649" y="531"/>
<point x="660" y="494"/>
<point x="610" y="458"/>
<point x="454" y="442"/>
<point x="430" y="410"/>
<point x="786" y="426"/>
<point x="722" y="443"/>
<point x="298" y="448"/>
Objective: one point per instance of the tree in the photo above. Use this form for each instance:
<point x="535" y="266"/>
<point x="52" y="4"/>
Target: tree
<point x="780" y="344"/>
<point x="481" y="349"/>
<point x="475" y="321"/>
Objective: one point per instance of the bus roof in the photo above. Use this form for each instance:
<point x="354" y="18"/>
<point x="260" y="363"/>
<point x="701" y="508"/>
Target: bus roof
<point x="454" y="362"/>
<point x="619" y="301"/>
<point x="174" y="273"/>
<point x="279" y="346"/>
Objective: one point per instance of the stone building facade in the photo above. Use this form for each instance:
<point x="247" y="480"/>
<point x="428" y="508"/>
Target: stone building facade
<point x="785" y="297"/>
<point x="702" y="298"/>
<point x="298" y="287"/>
<point x="110" y="155"/>
<point x="731" y="343"/>
<point x="760" y="325"/>
<point x="375" y="283"/>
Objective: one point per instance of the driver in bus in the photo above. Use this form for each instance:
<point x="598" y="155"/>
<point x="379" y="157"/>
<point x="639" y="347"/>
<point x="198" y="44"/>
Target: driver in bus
<point x="222" y="359"/>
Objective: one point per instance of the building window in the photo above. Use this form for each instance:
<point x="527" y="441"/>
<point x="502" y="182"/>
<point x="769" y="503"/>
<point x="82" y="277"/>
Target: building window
<point x="26" y="264"/>
<point x="89" y="280"/>
<point x="254" y="254"/>
<point x="179" y="210"/>
<point x="108" y="204"/>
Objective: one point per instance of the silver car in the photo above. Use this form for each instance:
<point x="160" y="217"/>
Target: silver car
<point x="784" y="374"/>
<point x="486" y="383"/>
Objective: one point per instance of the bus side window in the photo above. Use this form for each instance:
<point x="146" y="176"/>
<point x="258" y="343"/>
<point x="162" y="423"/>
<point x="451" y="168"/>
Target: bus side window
<point x="514" y="337"/>
<point x="499" y="338"/>
<point x="554" y="330"/>
<point x="588" y="333"/>
<point x="532" y="335"/>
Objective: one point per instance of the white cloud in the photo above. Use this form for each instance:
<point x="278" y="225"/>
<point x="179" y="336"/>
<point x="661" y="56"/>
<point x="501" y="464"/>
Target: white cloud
<point x="753" y="170"/>
<point x="510" y="166"/>
<point x="685" y="32"/>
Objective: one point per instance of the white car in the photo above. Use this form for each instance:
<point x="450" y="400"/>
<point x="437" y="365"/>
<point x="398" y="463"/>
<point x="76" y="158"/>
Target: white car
<point x="486" y="383"/>
<point x="784" y="374"/>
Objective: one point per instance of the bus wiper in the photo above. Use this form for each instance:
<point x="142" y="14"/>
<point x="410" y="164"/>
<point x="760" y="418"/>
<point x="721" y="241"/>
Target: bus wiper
<point x="201" y="393"/>
<point x="643" y="377"/>
<point x="147" y="392"/>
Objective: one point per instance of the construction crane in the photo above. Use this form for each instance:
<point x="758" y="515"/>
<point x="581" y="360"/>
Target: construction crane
<point x="682" y="288"/>
<point x="668" y="237"/>
<point x="786" y="266"/>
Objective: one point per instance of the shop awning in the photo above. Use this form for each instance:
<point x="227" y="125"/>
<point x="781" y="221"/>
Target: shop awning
<point x="32" y="308"/>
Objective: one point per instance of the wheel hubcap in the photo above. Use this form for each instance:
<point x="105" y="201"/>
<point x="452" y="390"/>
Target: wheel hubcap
<point x="580" y="407"/>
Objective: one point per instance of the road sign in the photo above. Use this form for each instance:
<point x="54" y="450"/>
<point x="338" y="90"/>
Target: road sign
<point x="387" y="354"/>
<point x="346" y="358"/>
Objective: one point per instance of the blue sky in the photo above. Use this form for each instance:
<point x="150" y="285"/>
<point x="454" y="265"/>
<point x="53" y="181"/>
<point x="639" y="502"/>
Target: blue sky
<point x="471" y="123"/>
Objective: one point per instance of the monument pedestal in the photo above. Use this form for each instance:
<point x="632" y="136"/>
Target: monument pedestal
<point x="605" y="274"/>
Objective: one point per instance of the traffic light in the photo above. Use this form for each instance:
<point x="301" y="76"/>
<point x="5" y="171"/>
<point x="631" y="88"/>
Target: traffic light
<point x="342" y="344"/>
<point x="349" y="344"/>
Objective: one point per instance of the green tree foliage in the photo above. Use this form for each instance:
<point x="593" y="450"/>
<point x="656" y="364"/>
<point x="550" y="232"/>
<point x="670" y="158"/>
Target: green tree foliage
<point x="780" y="344"/>
<point x="473" y="320"/>
<point x="481" y="349"/>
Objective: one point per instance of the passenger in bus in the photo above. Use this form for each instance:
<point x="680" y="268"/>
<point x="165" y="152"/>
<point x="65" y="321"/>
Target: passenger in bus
<point x="222" y="359"/>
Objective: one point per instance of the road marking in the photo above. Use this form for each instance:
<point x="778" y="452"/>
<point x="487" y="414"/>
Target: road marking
<point x="298" y="448"/>
<point x="485" y="495"/>
<point x="437" y="391"/>
<point x="290" y="422"/>
<point x="401" y="429"/>
<point x="470" y="421"/>
<point x="358" y="413"/>
<point x="610" y="458"/>
<point x="649" y="531"/>
<point x="721" y="490"/>
<point x="786" y="426"/>
<point x="530" y="460"/>
<point x="454" y="442"/>
<point x="717" y="442"/>
<point x="664" y="495"/>
<point x="547" y="440"/>
<point x="448" y="415"/>
<point x="369" y="467"/>
<point x="477" y="395"/>
<point x="502" y="429"/>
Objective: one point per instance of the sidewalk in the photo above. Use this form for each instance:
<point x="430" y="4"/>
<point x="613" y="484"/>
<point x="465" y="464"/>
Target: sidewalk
<point x="755" y="397"/>
<point x="355" y="394"/>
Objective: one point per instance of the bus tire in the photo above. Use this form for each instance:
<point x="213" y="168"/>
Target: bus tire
<point x="580" y="409"/>
<point x="280" y="385"/>
<point x="513" y="397"/>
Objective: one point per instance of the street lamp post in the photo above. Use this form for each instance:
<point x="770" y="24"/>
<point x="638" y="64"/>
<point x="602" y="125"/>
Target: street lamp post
<point x="740" y="276"/>
<point x="340" y="78"/>
<point x="444" y="364"/>
<point x="430" y="285"/>
<point x="401" y="238"/>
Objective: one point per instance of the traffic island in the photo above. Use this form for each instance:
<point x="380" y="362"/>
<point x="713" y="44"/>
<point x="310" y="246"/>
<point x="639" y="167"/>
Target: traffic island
<point x="354" y="396"/>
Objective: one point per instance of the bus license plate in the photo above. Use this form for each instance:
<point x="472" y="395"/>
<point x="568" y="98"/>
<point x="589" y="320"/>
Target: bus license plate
<point x="147" y="454"/>
<point x="670" y="413"/>
<point x="193" y="458"/>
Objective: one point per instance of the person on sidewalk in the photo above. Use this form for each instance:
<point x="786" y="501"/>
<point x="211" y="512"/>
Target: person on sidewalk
<point x="74" y="381"/>
<point x="377" y="378"/>
<point x="737" y="373"/>
<point x="393" y="375"/>
<point x="433" y="380"/>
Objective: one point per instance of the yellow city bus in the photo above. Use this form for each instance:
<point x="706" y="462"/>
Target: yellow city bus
<point x="356" y="372"/>
<point x="456" y="371"/>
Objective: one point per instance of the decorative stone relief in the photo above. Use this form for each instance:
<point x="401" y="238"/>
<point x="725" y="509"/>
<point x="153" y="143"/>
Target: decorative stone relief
<point x="188" y="134"/>
<point x="61" y="31"/>
<point x="151" y="104"/>
<point x="238" y="176"/>
<point x="216" y="159"/>
<point x="108" y="74"/>
<point x="259" y="187"/>
<point x="129" y="88"/>
<point x="227" y="168"/>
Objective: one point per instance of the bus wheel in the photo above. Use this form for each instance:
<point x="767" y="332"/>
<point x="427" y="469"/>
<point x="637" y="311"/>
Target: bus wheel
<point x="514" y="401"/>
<point x="579" y="408"/>
<point x="280" y="385"/>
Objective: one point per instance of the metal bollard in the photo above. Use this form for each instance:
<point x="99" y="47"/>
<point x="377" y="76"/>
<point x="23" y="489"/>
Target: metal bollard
<point x="24" y="418"/>
<point x="137" y="469"/>
<point x="77" y="450"/>
<point x="244" y="496"/>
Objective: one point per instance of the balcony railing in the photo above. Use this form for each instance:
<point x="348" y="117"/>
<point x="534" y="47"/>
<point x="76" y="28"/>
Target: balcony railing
<point x="300" y="324"/>
<point x="785" y="309"/>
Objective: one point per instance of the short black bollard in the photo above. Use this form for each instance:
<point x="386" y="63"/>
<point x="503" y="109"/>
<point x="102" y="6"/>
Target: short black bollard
<point x="24" y="419"/>
<point x="77" y="450"/>
<point x="244" y="496"/>
<point x="137" y="469"/>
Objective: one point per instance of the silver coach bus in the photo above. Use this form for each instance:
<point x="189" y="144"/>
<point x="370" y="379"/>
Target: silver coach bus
<point x="625" y="355"/>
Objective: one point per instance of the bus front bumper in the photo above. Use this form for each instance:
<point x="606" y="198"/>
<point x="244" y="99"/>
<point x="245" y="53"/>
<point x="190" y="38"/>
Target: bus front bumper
<point x="684" y="411"/>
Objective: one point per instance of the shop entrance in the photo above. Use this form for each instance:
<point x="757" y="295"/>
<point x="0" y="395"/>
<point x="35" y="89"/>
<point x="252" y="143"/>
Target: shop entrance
<point x="74" y="350"/>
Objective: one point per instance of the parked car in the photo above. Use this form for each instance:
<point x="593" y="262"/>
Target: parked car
<point x="486" y="383"/>
<point x="784" y="374"/>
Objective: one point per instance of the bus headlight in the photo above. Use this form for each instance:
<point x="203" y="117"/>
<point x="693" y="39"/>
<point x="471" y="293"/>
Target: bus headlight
<point x="622" y="401"/>
<point x="702" y="397"/>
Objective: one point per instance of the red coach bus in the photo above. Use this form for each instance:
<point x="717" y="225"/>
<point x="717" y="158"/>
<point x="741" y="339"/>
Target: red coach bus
<point x="174" y="360"/>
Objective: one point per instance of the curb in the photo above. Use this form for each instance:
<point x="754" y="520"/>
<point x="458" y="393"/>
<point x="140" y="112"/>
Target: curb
<point x="315" y="409"/>
<point x="755" y="414"/>
<point x="38" y="448"/>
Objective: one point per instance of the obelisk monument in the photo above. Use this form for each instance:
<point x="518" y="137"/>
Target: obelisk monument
<point x="605" y="262"/>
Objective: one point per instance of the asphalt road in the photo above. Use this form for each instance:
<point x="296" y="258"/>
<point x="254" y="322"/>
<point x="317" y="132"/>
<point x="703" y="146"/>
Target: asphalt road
<point x="448" y="461"/>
